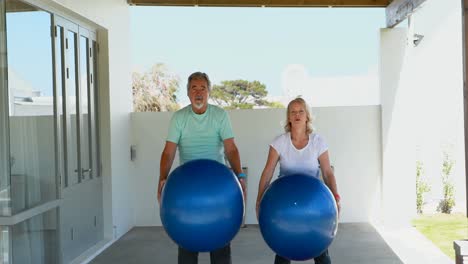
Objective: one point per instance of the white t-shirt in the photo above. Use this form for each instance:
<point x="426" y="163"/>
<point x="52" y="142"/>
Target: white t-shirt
<point x="305" y="160"/>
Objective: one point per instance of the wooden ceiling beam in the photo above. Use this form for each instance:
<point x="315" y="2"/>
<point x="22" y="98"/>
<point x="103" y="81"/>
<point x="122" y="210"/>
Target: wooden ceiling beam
<point x="399" y="10"/>
<point x="266" y="3"/>
<point x="18" y="6"/>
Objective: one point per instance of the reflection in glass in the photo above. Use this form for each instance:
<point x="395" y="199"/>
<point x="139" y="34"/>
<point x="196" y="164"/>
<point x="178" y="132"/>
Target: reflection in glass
<point x="4" y="244"/>
<point x="5" y="208"/>
<point x="72" y="146"/>
<point x="59" y="94"/>
<point x="94" y="113"/>
<point x="31" y="115"/>
<point x="34" y="241"/>
<point x="85" y="122"/>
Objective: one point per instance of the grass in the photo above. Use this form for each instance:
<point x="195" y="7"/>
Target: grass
<point x="443" y="229"/>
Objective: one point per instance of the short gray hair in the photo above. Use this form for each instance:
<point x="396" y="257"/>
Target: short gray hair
<point x="199" y="76"/>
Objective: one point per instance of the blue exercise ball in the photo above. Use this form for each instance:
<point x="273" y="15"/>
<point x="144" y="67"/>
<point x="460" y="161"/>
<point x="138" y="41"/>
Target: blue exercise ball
<point x="298" y="217"/>
<point x="202" y="205"/>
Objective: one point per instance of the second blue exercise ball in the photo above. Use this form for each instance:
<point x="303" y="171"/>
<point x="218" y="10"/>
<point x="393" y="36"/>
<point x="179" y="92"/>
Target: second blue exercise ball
<point x="298" y="217"/>
<point x="202" y="205"/>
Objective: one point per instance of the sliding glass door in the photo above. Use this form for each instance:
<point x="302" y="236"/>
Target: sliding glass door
<point x="50" y="189"/>
<point x="33" y="166"/>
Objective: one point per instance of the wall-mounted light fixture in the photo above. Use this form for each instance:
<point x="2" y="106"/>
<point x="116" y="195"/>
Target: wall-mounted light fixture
<point x="417" y="38"/>
<point x="133" y="153"/>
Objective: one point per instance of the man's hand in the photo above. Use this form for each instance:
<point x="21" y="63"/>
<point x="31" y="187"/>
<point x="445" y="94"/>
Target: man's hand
<point x="257" y="207"/>
<point x="244" y="190"/>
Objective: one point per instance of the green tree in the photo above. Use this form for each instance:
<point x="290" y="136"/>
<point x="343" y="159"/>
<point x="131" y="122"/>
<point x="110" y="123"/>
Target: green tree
<point x="421" y="187"/>
<point x="155" y="90"/>
<point x="241" y="94"/>
<point x="448" y="202"/>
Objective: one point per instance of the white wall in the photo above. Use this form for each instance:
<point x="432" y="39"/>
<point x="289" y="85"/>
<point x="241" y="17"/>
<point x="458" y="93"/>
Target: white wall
<point x="353" y="135"/>
<point x="399" y="181"/>
<point x="113" y="19"/>
<point x="422" y="107"/>
<point x="438" y="78"/>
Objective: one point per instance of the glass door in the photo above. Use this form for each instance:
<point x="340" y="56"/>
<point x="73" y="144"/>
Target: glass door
<point x="69" y="101"/>
<point x="77" y="103"/>
<point x="81" y="189"/>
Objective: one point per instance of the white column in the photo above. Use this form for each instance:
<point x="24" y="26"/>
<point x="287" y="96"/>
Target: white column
<point x="398" y="182"/>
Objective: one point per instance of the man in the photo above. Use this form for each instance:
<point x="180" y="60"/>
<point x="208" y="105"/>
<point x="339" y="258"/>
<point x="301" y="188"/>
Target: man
<point x="200" y="131"/>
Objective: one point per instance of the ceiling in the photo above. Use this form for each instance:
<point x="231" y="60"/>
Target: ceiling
<point x="18" y="6"/>
<point x="265" y="3"/>
<point x="395" y="10"/>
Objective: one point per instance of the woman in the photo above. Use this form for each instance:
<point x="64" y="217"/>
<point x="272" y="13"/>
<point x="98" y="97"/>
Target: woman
<point x="299" y="150"/>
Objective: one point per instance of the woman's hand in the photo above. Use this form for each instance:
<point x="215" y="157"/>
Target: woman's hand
<point x="338" y="202"/>
<point x="257" y="207"/>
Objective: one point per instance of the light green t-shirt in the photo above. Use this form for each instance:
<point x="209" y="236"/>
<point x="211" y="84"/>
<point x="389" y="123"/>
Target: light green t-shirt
<point x="200" y="136"/>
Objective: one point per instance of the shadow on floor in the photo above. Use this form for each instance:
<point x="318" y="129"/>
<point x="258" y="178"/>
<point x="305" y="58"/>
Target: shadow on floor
<point x="357" y="243"/>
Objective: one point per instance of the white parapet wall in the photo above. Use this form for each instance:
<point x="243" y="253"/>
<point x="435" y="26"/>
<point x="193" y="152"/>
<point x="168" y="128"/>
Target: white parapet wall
<point x="352" y="133"/>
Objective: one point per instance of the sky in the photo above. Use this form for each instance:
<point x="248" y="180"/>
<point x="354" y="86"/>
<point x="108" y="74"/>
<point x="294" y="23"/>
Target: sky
<point x="271" y="45"/>
<point x="28" y="62"/>
<point x="293" y="51"/>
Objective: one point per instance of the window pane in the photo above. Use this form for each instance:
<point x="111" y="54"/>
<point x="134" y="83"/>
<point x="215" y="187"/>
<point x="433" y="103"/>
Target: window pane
<point x="5" y="208"/>
<point x="59" y="93"/>
<point x="31" y="117"/>
<point x="4" y="245"/>
<point x="72" y="146"/>
<point x="34" y="241"/>
<point x="94" y="113"/>
<point x="85" y="135"/>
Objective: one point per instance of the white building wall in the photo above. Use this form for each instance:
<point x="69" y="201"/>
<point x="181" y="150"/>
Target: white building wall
<point x="422" y="108"/>
<point x="353" y="135"/>
<point x="399" y="180"/>
<point x="438" y="78"/>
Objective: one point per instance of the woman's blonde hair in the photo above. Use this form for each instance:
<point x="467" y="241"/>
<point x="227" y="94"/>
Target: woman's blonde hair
<point x="287" y="126"/>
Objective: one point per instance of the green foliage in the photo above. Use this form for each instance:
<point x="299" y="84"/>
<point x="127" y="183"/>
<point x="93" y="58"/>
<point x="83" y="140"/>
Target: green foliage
<point x="275" y="105"/>
<point x="443" y="229"/>
<point x="241" y="94"/>
<point x="155" y="90"/>
<point x="421" y="187"/>
<point x="448" y="202"/>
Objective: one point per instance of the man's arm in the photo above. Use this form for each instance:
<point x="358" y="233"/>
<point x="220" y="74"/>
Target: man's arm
<point x="167" y="158"/>
<point x="232" y="154"/>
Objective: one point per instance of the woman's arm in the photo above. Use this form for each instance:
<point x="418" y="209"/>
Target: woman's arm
<point x="329" y="176"/>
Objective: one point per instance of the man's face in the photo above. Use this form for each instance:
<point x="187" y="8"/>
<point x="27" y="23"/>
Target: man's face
<point x="198" y="94"/>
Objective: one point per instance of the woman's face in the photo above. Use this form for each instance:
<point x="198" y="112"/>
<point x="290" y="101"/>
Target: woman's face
<point x="297" y="115"/>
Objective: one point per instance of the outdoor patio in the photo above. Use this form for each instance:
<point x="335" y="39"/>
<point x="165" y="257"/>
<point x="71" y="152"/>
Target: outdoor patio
<point x="358" y="243"/>
<point x="79" y="164"/>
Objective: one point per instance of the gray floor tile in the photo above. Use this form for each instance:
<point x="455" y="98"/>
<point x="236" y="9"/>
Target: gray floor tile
<point x="355" y="243"/>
